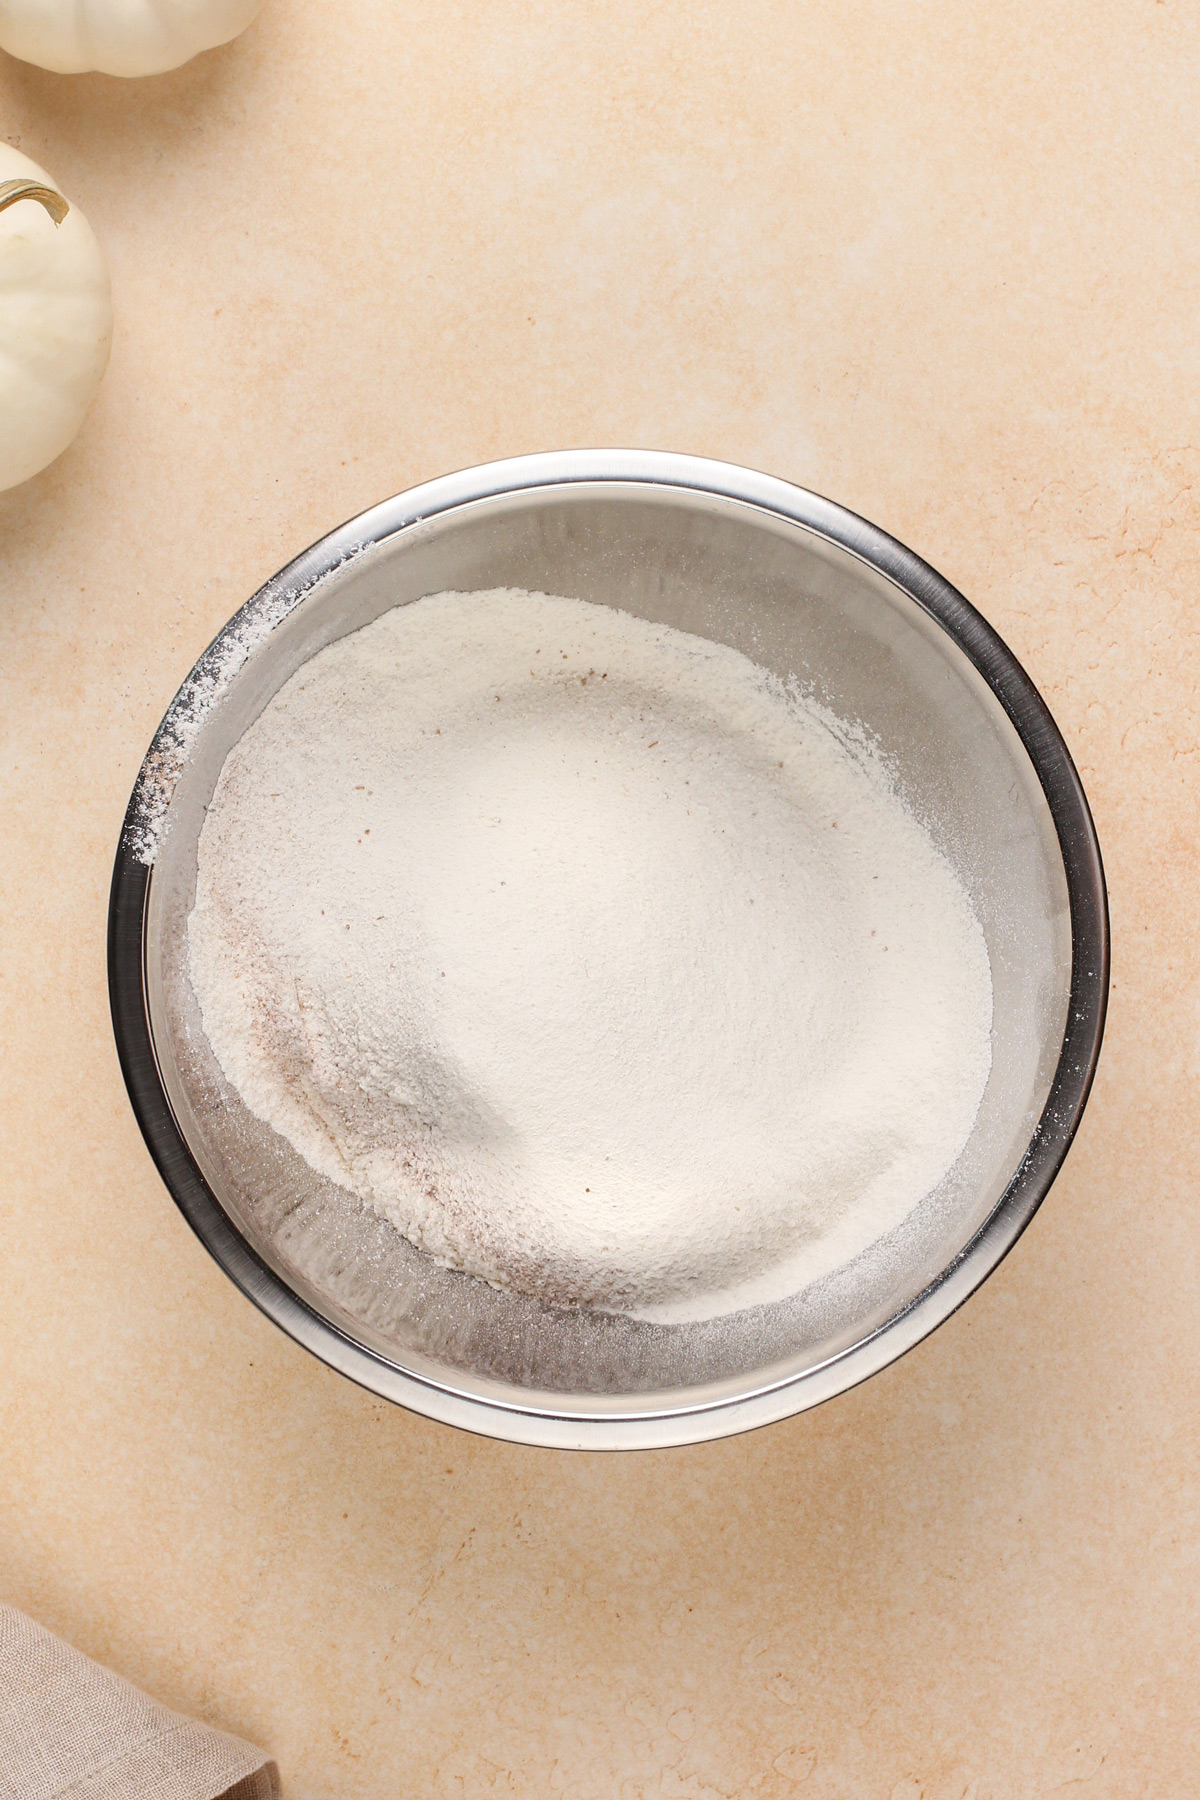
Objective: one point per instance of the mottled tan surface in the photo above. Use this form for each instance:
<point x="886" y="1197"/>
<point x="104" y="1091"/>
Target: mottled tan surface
<point x="939" y="261"/>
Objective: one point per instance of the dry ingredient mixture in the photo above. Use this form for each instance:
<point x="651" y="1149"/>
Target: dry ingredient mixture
<point x="588" y="954"/>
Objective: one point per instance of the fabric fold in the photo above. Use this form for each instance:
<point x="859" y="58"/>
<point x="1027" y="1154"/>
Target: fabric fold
<point x="72" y="1730"/>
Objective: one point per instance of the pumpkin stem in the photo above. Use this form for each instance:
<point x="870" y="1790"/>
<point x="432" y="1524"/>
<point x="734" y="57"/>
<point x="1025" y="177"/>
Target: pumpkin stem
<point x="24" y="189"/>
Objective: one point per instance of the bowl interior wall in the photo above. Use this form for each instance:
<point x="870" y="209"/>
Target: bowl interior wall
<point x="810" y="611"/>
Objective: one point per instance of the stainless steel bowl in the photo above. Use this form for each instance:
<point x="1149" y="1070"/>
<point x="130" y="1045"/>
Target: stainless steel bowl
<point x="808" y="590"/>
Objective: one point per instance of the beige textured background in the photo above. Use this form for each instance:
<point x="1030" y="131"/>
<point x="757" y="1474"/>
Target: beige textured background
<point x="940" y="261"/>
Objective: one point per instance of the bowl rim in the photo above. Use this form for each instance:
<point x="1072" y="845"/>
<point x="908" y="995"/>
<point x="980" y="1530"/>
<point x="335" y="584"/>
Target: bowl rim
<point x="549" y="1421"/>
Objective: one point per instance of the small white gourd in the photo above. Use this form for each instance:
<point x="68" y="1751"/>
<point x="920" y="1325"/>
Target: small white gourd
<point x="118" y="37"/>
<point x="55" y="318"/>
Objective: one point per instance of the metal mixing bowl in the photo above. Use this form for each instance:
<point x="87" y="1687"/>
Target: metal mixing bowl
<point x="810" y="591"/>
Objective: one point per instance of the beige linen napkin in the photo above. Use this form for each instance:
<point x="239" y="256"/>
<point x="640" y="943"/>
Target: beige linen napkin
<point x="70" y="1730"/>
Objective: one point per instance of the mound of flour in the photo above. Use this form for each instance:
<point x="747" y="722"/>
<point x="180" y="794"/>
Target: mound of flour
<point x="582" y="951"/>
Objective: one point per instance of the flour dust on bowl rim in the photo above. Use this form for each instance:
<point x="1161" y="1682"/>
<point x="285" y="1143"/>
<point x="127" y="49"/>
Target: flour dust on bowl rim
<point x="822" y="599"/>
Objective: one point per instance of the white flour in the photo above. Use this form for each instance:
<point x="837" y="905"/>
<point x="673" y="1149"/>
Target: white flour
<point x="579" y="949"/>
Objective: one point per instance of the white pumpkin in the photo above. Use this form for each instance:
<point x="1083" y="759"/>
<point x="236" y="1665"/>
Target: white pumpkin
<point x="118" y="37"/>
<point x="55" y="318"/>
